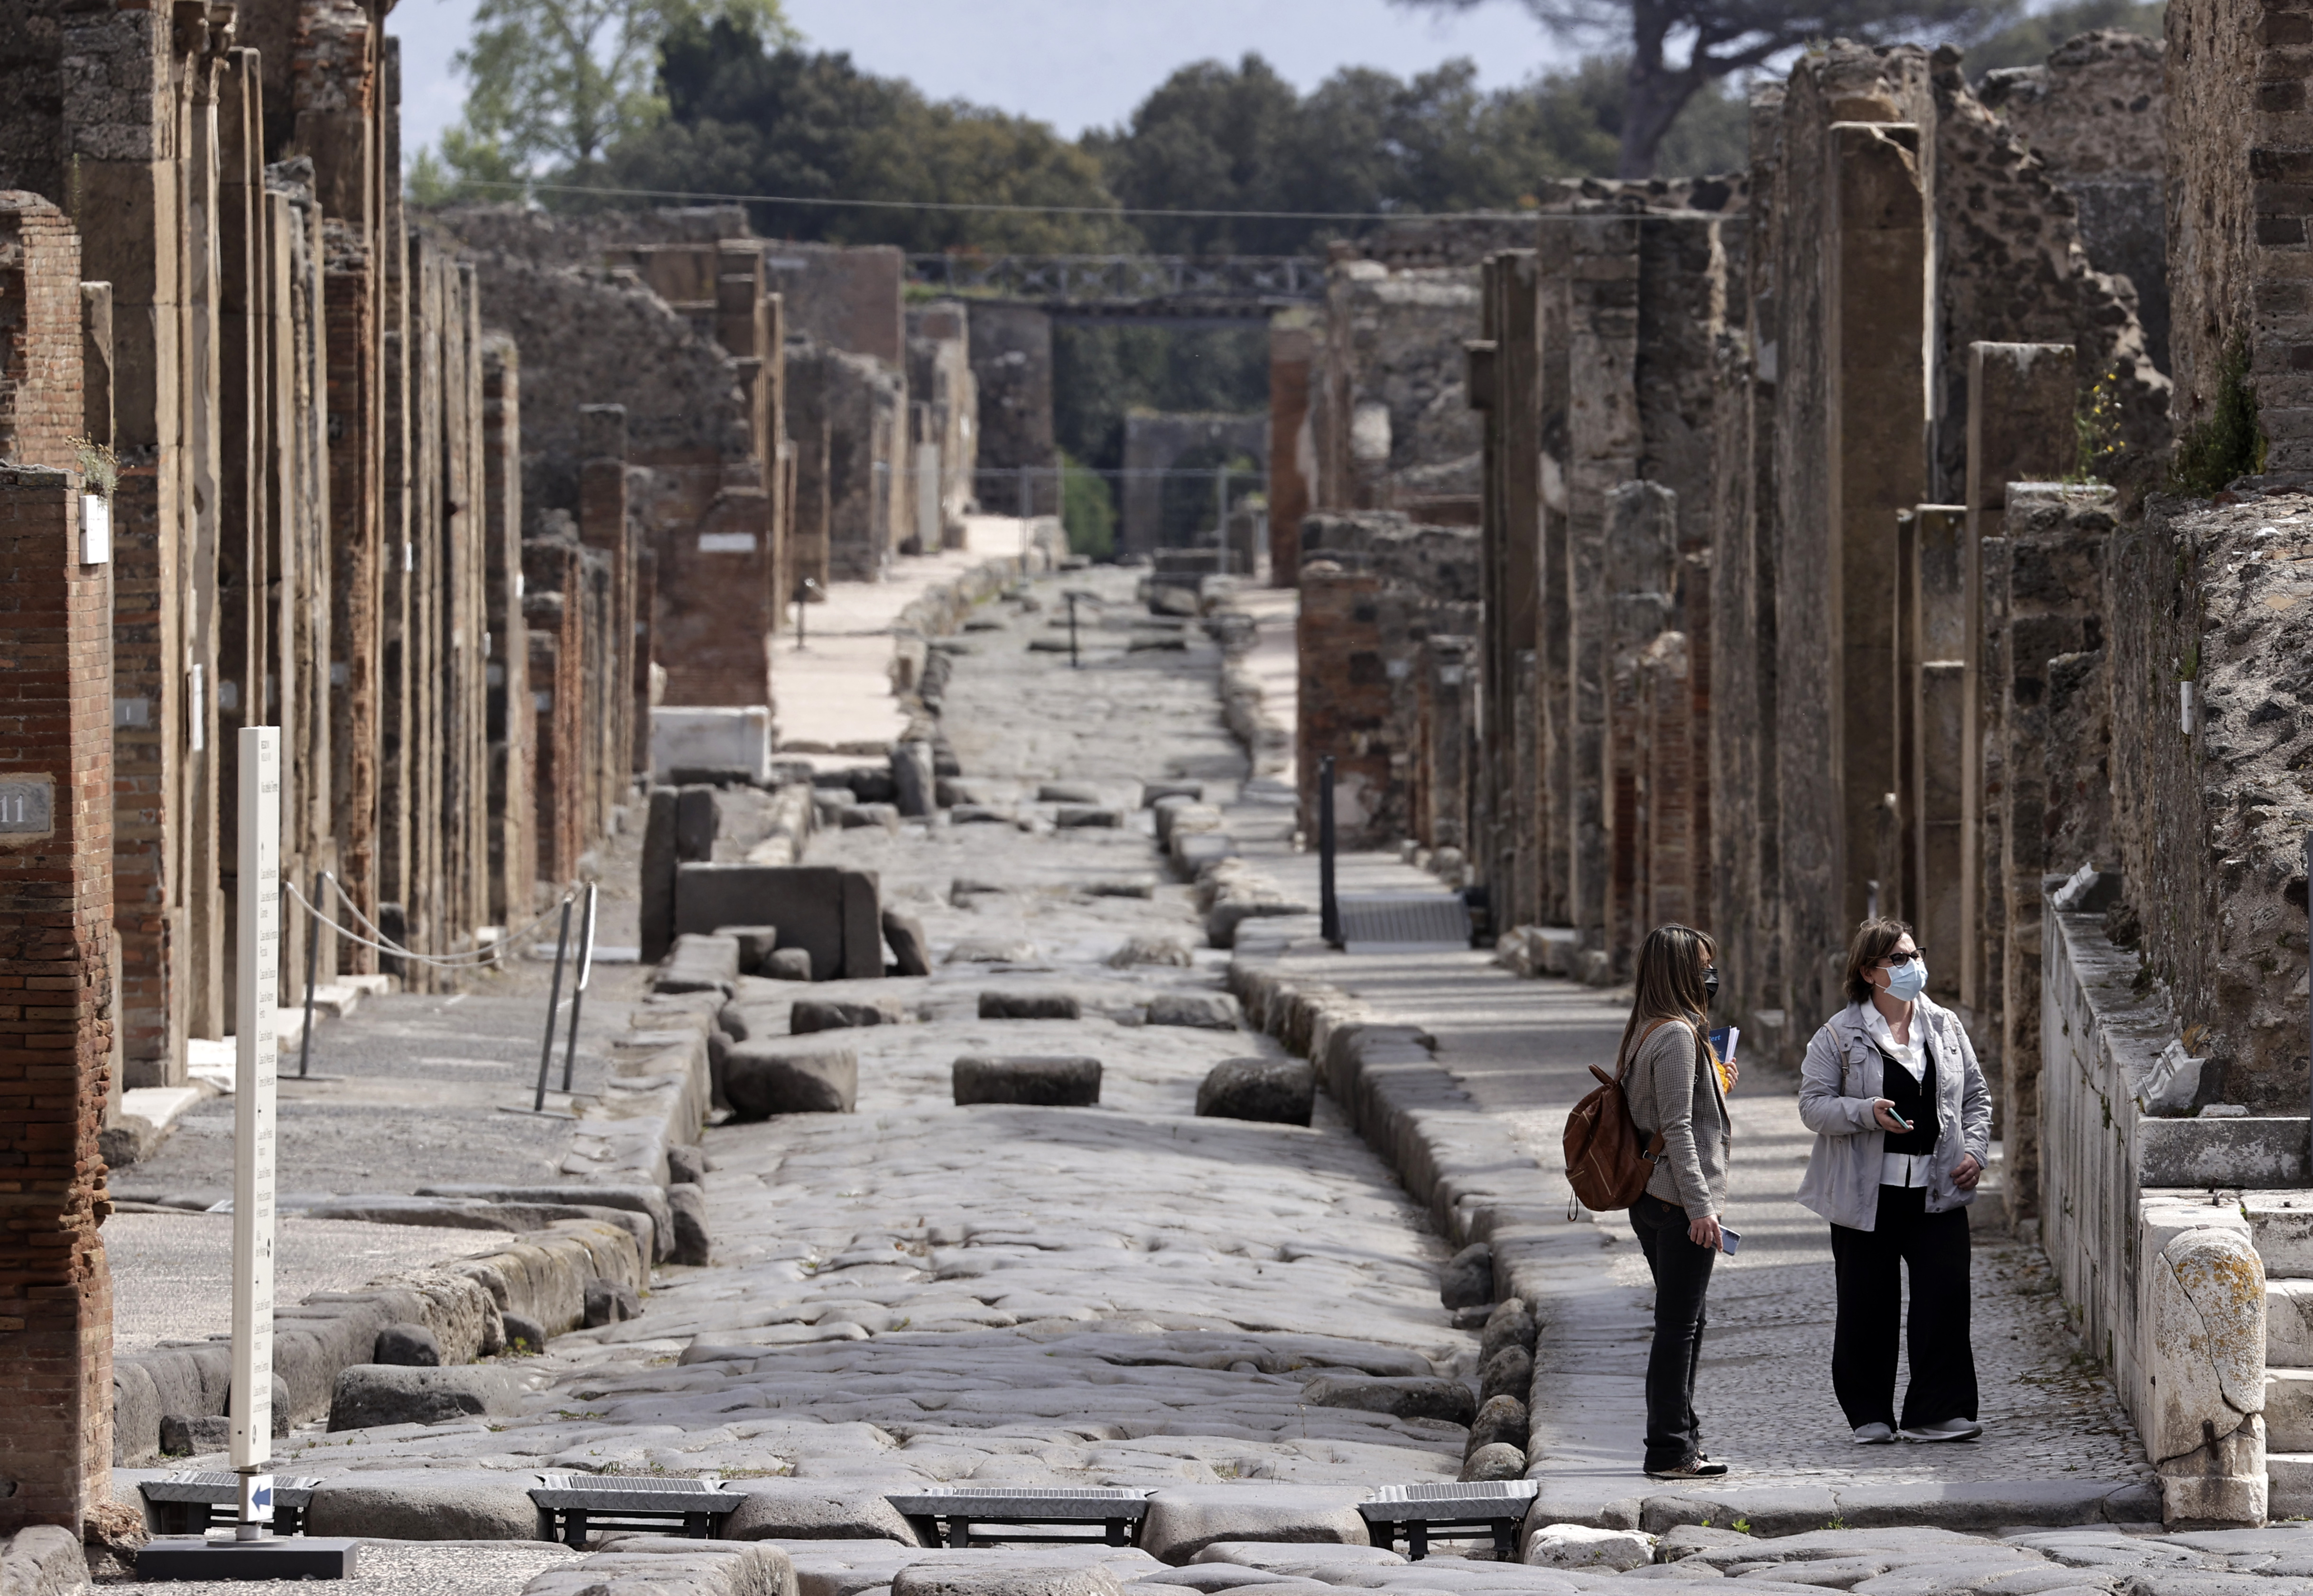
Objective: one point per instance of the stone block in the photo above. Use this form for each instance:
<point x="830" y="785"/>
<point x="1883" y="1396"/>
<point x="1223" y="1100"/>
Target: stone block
<point x="656" y="881"/>
<point x="1151" y="793"/>
<point x="1500" y="1419"/>
<point x="700" y="963"/>
<point x="810" y="1014"/>
<point x="1271" y="1091"/>
<point x="696" y="823"/>
<point x="911" y="950"/>
<point x="830" y="913"/>
<point x="1067" y="791"/>
<point x="1058" y="1081"/>
<point x="1172" y="950"/>
<point x="685" y="1166"/>
<point x="847" y="1509"/>
<point x="611" y="1302"/>
<point x="870" y="817"/>
<point x="1577" y="1546"/>
<point x="190" y="1434"/>
<point x="981" y="814"/>
<point x="1190" y="1521"/>
<point x="1497" y="1459"/>
<point x="425" y="1505"/>
<point x="711" y="739"/>
<point x="1078" y="817"/>
<point x="787" y="964"/>
<point x="411" y="1346"/>
<point x="522" y="1333"/>
<point x="1510" y="1325"/>
<point x="757" y="943"/>
<point x="365" y="1395"/>
<point x="692" y="1243"/>
<point x="1446" y="1401"/>
<point x="914" y="788"/>
<point x="1203" y="1010"/>
<point x="2287" y="1323"/>
<point x="779" y="1077"/>
<point x="1030" y="1005"/>
<point x="2206" y="1377"/>
<point x="1507" y="1374"/>
<point x="1467" y="1280"/>
<point x="1003" y="1578"/>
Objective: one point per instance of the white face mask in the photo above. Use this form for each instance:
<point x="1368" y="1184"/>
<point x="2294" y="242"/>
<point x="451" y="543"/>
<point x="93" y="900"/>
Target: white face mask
<point x="1907" y="981"/>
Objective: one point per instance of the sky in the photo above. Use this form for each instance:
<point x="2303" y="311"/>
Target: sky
<point x="1076" y="63"/>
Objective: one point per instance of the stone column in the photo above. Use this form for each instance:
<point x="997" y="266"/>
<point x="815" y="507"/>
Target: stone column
<point x="1640" y="572"/>
<point x="602" y="526"/>
<point x="2021" y="398"/>
<point x="1877" y="412"/>
<point x="513" y="853"/>
<point x="56" y="994"/>
<point x="1513" y="304"/>
<point x="1935" y="623"/>
<point x="1292" y="444"/>
<point x="1344" y="699"/>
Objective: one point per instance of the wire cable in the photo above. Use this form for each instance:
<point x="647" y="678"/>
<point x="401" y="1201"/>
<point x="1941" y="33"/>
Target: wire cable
<point x="476" y="959"/>
<point x="488" y="955"/>
<point x="990" y="207"/>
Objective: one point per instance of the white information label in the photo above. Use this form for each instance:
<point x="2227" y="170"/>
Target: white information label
<point x="259" y="961"/>
<point x="726" y="542"/>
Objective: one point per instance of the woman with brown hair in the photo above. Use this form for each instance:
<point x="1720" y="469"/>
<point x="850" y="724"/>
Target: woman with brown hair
<point x="1672" y="1082"/>
<point x="1903" y="1122"/>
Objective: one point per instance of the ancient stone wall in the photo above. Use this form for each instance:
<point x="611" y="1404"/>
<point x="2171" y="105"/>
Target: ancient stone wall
<point x="846" y="298"/>
<point x="2093" y="114"/>
<point x="2207" y="604"/>
<point x="1396" y="431"/>
<point x="1154" y="446"/>
<point x="943" y="397"/>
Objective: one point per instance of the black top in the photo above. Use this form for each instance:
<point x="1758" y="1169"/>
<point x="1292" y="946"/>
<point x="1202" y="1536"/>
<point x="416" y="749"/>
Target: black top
<point x="1914" y="1100"/>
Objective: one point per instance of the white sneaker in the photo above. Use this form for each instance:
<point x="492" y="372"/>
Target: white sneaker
<point x="1950" y="1429"/>
<point x="1873" y="1435"/>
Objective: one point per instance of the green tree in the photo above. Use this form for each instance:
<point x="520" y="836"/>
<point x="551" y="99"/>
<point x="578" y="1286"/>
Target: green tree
<point x="2028" y="41"/>
<point x="746" y="117"/>
<point x="1722" y="38"/>
<point x="554" y="82"/>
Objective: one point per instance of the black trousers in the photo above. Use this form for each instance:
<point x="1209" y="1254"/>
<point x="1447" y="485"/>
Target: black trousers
<point x="1682" y="1272"/>
<point x="1868" y="1265"/>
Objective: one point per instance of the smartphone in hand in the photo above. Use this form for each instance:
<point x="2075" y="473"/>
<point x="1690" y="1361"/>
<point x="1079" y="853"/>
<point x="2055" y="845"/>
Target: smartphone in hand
<point x="1729" y="1240"/>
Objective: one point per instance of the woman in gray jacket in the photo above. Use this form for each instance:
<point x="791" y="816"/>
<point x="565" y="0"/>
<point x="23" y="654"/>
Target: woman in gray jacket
<point x="1903" y="1122"/>
<point x="1672" y="1082"/>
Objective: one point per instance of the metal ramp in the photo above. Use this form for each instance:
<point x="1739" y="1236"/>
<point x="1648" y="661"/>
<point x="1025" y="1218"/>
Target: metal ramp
<point x="1403" y="923"/>
<point x="572" y="1506"/>
<point x="191" y="1501"/>
<point x="960" y="1515"/>
<point x="1495" y="1508"/>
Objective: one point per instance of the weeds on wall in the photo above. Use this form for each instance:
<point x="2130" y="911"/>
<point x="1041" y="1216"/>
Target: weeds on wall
<point x="1087" y="510"/>
<point x="2229" y="444"/>
<point x="2097" y="424"/>
<point x="100" y="468"/>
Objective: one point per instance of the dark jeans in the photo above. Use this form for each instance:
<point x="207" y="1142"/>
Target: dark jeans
<point x="1682" y="1272"/>
<point x="1869" y="1265"/>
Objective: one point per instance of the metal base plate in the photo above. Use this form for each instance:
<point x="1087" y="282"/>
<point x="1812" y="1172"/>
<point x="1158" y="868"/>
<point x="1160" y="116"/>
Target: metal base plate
<point x="295" y="1557"/>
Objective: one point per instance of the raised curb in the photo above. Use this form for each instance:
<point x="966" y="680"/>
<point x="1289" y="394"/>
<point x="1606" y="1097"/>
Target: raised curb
<point x="1456" y="1162"/>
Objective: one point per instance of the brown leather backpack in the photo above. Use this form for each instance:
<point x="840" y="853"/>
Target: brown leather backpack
<point x="1604" y="1162"/>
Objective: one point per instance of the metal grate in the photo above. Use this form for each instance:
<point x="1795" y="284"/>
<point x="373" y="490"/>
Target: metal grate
<point x="214" y="1485"/>
<point x="1403" y="922"/>
<point x="1056" y="1504"/>
<point x="1480" y="1495"/>
<point x="631" y="1493"/>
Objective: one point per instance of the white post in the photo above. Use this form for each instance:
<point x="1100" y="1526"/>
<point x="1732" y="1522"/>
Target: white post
<point x="258" y="1007"/>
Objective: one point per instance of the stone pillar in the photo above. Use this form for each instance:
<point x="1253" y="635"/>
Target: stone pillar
<point x="1640" y="570"/>
<point x="1668" y="788"/>
<point x="513" y="807"/>
<point x="1513" y="322"/>
<point x="1877" y="411"/>
<point x="244" y="565"/>
<point x="1344" y="699"/>
<point x="1448" y="732"/>
<point x="1292" y="444"/>
<point x="55" y="989"/>
<point x="603" y="527"/>
<point x="1935" y="626"/>
<point x="2021" y="398"/>
<point x="2054" y="581"/>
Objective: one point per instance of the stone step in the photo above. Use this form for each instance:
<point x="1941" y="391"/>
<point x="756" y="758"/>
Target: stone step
<point x="2287" y="1323"/>
<point x="2289" y="1484"/>
<point x="2288" y="1409"/>
<point x="2281" y="1224"/>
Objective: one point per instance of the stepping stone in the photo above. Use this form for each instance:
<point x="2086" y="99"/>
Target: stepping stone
<point x="780" y="1076"/>
<point x="860" y="817"/>
<point x="1271" y="1091"/>
<point x="411" y="1346"/>
<point x="1134" y="886"/>
<point x="979" y="814"/>
<point x="787" y="964"/>
<point x="700" y="963"/>
<point x="841" y="1013"/>
<point x="1153" y="950"/>
<point x="1447" y="1401"/>
<point x="1205" y="1010"/>
<point x="1497" y="1459"/>
<point x="1030" y="1005"/>
<point x="368" y="1394"/>
<point x="1052" y="1082"/>
<point x="1076" y="816"/>
<point x="1500" y="1419"/>
<point x="1067" y="791"/>
<point x="1467" y="1280"/>
<point x="1151" y="791"/>
<point x="991" y="950"/>
<point x="757" y="943"/>
<point x="912" y="952"/>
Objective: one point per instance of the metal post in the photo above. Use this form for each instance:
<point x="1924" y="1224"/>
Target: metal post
<point x="312" y="957"/>
<point x="1074" y="664"/>
<point x="1328" y="906"/>
<point x="1220" y="525"/>
<point x="578" y="992"/>
<point x="257" y="1002"/>
<point x="553" y="1007"/>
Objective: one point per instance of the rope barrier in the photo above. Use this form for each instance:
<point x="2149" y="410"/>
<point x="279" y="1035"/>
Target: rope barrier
<point x="478" y="958"/>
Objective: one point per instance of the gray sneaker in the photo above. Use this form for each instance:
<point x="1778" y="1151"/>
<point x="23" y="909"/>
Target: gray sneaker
<point x="1873" y="1435"/>
<point x="1948" y="1429"/>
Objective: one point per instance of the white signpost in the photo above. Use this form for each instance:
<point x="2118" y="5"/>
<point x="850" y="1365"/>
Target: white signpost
<point x="257" y="1006"/>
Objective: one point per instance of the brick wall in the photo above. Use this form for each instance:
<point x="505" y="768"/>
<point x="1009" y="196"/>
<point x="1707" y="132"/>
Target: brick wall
<point x="55" y="997"/>
<point x="849" y="299"/>
<point x="40" y="401"/>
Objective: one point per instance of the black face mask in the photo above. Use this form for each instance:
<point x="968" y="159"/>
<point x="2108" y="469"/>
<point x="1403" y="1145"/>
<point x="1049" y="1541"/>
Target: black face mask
<point x="1711" y="984"/>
